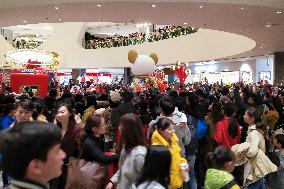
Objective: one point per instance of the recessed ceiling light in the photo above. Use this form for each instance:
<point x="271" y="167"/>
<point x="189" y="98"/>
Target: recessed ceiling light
<point x="242" y="8"/>
<point x="100" y="19"/>
<point x="185" y="23"/>
<point x="59" y="19"/>
<point x="268" y="25"/>
<point x="279" y="12"/>
<point x="99" y="5"/>
<point x="56" y="8"/>
<point x="24" y="21"/>
<point x="153" y="6"/>
<point x="201" y="6"/>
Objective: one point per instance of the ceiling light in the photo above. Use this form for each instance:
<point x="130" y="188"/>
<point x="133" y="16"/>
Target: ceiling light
<point x="59" y="19"/>
<point x="99" y="5"/>
<point x="268" y="25"/>
<point x="56" y="8"/>
<point x="201" y="6"/>
<point x="185" y="23"/>
<point x="100" y="19"/>
<point x="24" y="21"/>
<point x="242" y="8"/>
<point x="153" y="6"/>
<point x="278" y="12"/>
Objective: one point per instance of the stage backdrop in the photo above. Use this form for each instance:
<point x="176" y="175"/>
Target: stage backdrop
<point x="19" y="80"/>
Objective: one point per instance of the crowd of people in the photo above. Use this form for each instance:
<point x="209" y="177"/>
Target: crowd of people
<point x="188" y="136"/>
<point x="94" y="42"/>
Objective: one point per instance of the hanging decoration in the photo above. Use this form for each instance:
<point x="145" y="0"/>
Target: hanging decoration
<point x="181" y="71"/>
<point x="33" y="58"/>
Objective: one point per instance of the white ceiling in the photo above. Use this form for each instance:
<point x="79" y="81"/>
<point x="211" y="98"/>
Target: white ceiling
<point x="245" y="17"/>
<point x="9" y="4"/>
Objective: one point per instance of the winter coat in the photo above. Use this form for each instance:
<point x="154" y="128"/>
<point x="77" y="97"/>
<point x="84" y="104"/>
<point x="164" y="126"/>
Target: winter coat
<point x="25" y="184"/>
<point x="218" y="179"/>
<point x="148" y="185"/>
<point x="183" y="133"/>
<point x="93" y="150"/>
<point x="6" y="121"/>
<point x="130" y="167"/>
<point x="276" y="179"/>
<point x="222" y="136"/>
<point x="70" y="145"/>
<point x="255" y="167"/>
<point x="176" y="175"/>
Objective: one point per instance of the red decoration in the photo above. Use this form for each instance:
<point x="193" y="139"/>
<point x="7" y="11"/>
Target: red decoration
<point x="181" y="73"/>
<point x="18" y="80"/>
<point x="33" y="64"/>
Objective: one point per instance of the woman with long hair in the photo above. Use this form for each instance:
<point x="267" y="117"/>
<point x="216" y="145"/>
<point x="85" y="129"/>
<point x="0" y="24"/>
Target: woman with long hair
<point x="164" y="135"/>
<point x="70" y="141"/>
<point x="156" y="169"/>
<point x="133" y="152"/>
<point x="93" y="147"/>
<point x="254" y="149"/>
<point x="228" y="132"/>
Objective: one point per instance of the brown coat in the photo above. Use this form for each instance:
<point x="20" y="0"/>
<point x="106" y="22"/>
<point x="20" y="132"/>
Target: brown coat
<point x="70" y="144"/>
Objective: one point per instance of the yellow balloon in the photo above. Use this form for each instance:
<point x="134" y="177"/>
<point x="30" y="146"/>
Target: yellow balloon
<point x="132" y="55"/>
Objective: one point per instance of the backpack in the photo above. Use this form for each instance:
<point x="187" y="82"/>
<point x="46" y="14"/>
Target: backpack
<point x="201" y="129"/>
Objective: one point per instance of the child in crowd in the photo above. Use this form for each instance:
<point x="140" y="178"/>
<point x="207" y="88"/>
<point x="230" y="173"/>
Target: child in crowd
<point x="221" y="163"/>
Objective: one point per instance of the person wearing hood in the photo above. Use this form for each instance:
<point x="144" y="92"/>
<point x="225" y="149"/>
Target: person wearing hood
<point x="164" y="135"/>
<point x="221" y="164"/>
<point x="123" y="108"/>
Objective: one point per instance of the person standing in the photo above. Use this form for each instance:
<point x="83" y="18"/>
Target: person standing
<point x="32" y="155"/>
<point x="70" y="140"/>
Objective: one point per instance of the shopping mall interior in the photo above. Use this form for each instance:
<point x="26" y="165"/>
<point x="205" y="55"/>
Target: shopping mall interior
<point x="89" y="40"/>
<point x="132" y="94"/>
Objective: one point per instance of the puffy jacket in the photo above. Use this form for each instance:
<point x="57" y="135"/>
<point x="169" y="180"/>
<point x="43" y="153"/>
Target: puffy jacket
<point x="176" y="175"/>
<point x="218" y="179"/>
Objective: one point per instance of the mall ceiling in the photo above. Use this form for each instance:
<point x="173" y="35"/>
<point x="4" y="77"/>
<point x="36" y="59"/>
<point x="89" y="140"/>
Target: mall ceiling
<point x="260" y="20"/>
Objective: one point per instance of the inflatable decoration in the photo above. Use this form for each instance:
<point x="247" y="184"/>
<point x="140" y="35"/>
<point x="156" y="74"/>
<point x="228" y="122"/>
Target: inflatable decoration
<point x="142" y="65"/>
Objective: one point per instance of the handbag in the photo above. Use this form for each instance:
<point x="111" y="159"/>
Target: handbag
<point x="85" y="175"/>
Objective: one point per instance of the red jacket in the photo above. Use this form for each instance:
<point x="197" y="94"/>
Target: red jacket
<point x="222" y="136"/>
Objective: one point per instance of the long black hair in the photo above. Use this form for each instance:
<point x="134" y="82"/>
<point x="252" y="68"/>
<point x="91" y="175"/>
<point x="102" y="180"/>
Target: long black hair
<point x="230" y="111"/>
<point x="156" y="166"/>
<point x="219" y="157"/>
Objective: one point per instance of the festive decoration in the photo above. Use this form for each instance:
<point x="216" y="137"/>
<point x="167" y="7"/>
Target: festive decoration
<point x="160" y="80"/>
<point x="142" y="65"/>
<point x="138" y="37"/>
<point x="132" y="55"/>
<point x="55" y="61"/>
<point x="181" y="71"/>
